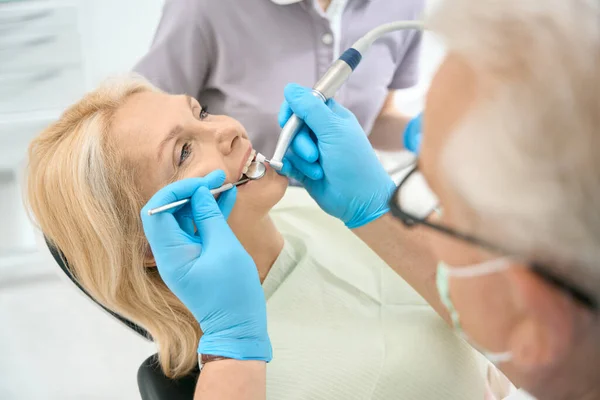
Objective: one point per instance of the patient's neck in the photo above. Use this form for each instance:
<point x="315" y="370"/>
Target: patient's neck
<point x="261" y="240"/>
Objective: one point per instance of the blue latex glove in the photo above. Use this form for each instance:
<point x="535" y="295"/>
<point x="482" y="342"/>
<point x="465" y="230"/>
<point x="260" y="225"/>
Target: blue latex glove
<point x="205" y="266"/>
<point x="412" y="134"/>
<point x="341" y="172"/>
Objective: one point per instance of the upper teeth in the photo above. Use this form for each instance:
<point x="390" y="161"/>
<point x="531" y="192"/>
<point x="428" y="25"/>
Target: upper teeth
<point x="248" y="162"/>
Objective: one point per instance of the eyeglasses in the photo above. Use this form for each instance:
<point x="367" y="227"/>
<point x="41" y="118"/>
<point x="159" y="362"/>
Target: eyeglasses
<point x="414" y="202"/>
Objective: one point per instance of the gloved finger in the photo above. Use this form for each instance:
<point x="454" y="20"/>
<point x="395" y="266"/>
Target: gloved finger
<point x="413" y="134"/>
<point x="285" y="112"/>
<point x="287" y="169"/>
<point x="185" y="219"/>
<point x="290" y="171"/>
<point x="226" y="201"/>
<point x="210" y="221"/>
<point x="304" y="146"/>
<point x="162" y="229"/>
<point x="311" y="109"/>
<point x="186" y="223"/>
<point x="339" y="109"/>
<point x="312" y="171"/>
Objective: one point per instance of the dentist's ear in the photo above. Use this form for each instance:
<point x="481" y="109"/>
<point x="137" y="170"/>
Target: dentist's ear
<point x="549" y="320"/>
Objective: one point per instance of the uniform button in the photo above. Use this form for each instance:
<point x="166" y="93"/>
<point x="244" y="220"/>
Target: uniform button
<point x="327" y="39"/>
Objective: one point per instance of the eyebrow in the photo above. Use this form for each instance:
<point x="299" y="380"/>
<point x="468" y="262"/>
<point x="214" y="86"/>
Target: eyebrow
<point x="173" y="133"/>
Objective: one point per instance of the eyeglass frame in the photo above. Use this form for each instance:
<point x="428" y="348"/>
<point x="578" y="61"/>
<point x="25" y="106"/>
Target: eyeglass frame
<point x="542" y="271"/>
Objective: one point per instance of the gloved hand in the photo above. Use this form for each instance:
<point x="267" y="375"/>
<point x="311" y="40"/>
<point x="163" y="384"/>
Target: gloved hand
<point x="412" y="134"/>
<point x="333" y="159"/>
<point x="205" y="266"/>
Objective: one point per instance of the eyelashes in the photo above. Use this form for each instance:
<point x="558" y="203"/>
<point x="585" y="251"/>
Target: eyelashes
<point x="186" y="151"/>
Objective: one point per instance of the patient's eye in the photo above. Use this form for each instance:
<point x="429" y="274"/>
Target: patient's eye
<point x="186" y="150"/>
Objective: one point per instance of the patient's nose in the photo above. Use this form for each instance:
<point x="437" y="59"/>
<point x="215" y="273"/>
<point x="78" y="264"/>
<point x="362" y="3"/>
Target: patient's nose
<point x="227" y="136"/>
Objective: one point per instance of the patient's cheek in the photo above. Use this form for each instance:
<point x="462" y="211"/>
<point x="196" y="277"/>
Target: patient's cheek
<point x="206" y="159"/>
<point x="202" y="171"/>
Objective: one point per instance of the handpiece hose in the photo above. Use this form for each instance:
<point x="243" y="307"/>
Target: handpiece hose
<point x="333" y="80"/>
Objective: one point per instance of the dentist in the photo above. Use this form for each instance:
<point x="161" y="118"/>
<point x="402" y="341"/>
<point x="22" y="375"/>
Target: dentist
<point x="505" y="196"/>
<point x="505" y="190"/>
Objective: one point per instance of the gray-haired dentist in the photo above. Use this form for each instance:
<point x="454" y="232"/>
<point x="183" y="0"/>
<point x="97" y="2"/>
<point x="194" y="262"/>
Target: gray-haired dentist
<point x="505" y="191"/>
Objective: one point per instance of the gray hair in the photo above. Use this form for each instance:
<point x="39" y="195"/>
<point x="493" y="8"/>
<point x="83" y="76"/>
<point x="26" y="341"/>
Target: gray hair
<point x="526" y="158"/>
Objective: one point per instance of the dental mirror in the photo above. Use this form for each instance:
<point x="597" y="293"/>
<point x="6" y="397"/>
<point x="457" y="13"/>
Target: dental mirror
<point x="256" y="170"/>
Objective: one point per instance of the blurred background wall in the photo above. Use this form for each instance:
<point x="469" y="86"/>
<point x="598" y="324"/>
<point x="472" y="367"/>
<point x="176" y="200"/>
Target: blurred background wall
<point x="54" y="343"/>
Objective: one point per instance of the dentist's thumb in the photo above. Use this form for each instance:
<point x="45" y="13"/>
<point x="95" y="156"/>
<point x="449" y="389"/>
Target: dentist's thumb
<point x="210" y="216"/>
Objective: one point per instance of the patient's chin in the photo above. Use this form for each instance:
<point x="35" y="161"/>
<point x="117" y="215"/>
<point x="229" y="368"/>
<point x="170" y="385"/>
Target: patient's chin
<point x="258" y="197"/>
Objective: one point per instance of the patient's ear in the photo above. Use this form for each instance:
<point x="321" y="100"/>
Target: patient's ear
<point x="549" y="319"/>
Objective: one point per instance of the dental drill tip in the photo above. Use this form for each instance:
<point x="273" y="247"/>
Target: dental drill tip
<point x="274" y="164"/>
<point x="260" y="158"/>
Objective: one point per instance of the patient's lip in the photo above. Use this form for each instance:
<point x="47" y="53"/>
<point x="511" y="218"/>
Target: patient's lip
<point x="243" y="162"/>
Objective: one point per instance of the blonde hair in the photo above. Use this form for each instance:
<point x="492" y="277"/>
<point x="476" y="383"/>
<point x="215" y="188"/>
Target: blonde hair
<point x="83" y="196"/>
<point x="526" y="157"/>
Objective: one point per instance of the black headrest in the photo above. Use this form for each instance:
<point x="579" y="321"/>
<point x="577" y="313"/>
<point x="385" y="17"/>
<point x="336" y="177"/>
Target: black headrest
<point x="154" y="385"/>
<point x="64" y="265"/>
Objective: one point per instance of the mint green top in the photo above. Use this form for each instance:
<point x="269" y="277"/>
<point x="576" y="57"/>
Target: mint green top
<point x="345" y="326"/>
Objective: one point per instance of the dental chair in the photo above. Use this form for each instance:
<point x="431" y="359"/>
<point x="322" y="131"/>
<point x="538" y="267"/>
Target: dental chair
<point x="152" y="383"/>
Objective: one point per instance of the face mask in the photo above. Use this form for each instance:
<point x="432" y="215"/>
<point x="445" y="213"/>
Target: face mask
<point x="444" y="272"/>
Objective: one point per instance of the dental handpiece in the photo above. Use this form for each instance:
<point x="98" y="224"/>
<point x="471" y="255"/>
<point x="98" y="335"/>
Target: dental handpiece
<point x="332" y="81"/>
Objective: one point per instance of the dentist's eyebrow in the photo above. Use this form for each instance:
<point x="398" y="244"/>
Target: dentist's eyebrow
<point x="175" y="131"/>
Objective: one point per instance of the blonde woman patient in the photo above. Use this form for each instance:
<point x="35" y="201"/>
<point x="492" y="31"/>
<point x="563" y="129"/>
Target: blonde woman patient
<point x="342" y="324"/>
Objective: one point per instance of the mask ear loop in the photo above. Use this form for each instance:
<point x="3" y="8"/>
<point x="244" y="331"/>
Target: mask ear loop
<point x="486" y="268"/>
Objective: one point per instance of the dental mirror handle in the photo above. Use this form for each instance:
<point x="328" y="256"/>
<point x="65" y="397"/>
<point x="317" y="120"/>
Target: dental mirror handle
<point x="214" y="192"/>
